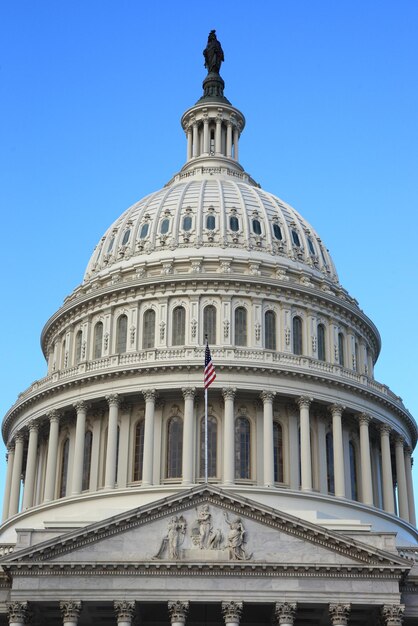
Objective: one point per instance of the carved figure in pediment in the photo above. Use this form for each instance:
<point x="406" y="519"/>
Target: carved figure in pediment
<point x="236" y="540"/>
<point x="174" y="539"/>
<point x="203" y="533"/>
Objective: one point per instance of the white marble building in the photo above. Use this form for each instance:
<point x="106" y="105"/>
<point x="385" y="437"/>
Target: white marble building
<point x="308" y="515"/>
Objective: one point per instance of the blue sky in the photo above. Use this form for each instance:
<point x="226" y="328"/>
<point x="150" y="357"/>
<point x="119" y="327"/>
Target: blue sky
<point x="91" y="94"/>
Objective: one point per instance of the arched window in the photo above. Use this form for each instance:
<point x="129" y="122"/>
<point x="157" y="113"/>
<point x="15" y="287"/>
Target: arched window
<point x="63" y="355"/>
<point x="256" y="227"/>
<point x="356" y="364"/>
<point x="88" y="440"/>
<point x="209" y="323"/>
<point x="242" y="447"/>
<point x="212" y="446"/>
<point x="329" y="445"/>
<point x="121" y="334"/>
<point x="126" y="236"/>
<point x="139" y="449"/>
<point x="78" y="340"/>
<point x="341" y="357"/>
<point x="148" y="330"/>
<point x="174" y="447"/>
<point x="353" y="471"/>
<point x="295" y="238"/>
<point x="270" y="330"/>
<point x="210" y="222"/>
<point x="234" y="223"/>
<point x="240" y="326"/>
<point x="278" y="452"/>
<point x="277" y="231"/>
<point x="320" y="331"/>
<point x="297" y="336"/>
<point x="144" y="230"/>
<point x="164" y="226"/>
<point x="187" y="222"/>
<point x="179" y="326"/>
<point x="64" y="468"/>
<point x="98" y="340"/>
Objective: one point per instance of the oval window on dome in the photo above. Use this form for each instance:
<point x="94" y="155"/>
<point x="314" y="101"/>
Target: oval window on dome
<point x="277" y="231"/>
<point x="110" y="246"/>
<point x="234" y="223"/>
<point x="187" y="222"/>
<point x="256" y="227"/>
<point x="311" y="246"/>
<point x="210" y="222"/>
<point x="126" y="237"/>
<point x="144" y="231"/>
<point x="295" y="238"/>
<point x="164" y="226"/>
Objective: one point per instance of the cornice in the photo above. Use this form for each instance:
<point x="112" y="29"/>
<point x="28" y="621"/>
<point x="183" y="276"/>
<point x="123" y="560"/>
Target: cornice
<point x="112" y="373"/>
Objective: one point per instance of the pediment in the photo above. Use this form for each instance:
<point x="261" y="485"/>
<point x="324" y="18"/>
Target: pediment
<point x="205" y="526"/>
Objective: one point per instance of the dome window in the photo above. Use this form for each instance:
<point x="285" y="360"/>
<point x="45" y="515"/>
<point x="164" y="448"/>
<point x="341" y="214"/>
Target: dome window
<point x="126" y="237"/>
<point x="164" y="226"/>
<point x="295" y="238"/>
<point x="144" y="230"/>
<point x="311" y="247"/>
<point x="187" y="223"/>
<point x="210" y="222"/>
<point x="234" y="223"/>
<point x="109" y="249"/>
<point x="256" y="227"/>
<point x="277" y="231"/>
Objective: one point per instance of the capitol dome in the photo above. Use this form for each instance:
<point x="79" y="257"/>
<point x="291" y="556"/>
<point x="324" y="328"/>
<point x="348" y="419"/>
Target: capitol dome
<point x="290" y="477"/>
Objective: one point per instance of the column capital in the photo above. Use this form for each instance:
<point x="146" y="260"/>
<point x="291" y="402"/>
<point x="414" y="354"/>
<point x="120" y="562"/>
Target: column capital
<point x="54" y="415"/>
<point x="267" y="396"/>
<point x="285" y="612"/>
<point x="232" y="611"/>
<point x="336" y="409"/>
<point x="33" y="426"/>
<point x="113" y="399"/>
<point x="150" y="395"/>
<point x="188" y="392"/>
<point x="19" y="437"/>
<point x="385" y="429"/>
<point x="178" y="611"/>
<point x="304" y="402"/>
<point x="339" y="614"/>
<point x="229" y="393"/>
<point x="17" y="611"/>
<point x="81" y="405"/>
<point x="10" y="447"/>
<point x="392" y="614"/>
<point x="399" y="441"/>
<point x="408" y="451"/>
<point x="70" y="610"/>
<point x="364" y="418"/>
<point x="124" y="610"/>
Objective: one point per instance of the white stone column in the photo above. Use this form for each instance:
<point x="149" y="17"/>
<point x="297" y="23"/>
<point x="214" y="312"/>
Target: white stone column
<point x="236" y="137"/>
<point x="305" y="443"/>
<point x="410" y="485"/>
<point x="70" y="611"/>
<point x="189" y="143"/>
<point x="337" y="439"/>
<point x="285" y="613"/>
<point x="195" y="140"/>
<point x="188" y="432"/>
<point x="124" y="612"/>
<point x="365" y="461"/>
<point x="112" y="441"/>
<point x="28" y="492"/>
<point x="232" y="612"/>
<point x="229" y="435"/>
<point x="268" y="448"/>
<point x="392" y="614"/>
<point x="339" y="614"/>
<point x="178" y="612"/>
<point x="16" y="475"/>
<point x="229" y="140"/>
<point x="206" y="135"/>
<point x="387" y="478"/>
<point x="149" y="395"/>
<point x="403" y="508"/>
<point x="80" y="431"/>
<point x="52" y="455"/>
<point x="218" y="135"/>
<point x="7" y="490"/>
<point x="17" y="613"/>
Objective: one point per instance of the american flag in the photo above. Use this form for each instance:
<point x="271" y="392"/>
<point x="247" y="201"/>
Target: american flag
<point x="209" y="374"/>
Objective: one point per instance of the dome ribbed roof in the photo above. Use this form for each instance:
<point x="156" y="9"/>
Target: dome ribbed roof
<point x="246" y="222"/>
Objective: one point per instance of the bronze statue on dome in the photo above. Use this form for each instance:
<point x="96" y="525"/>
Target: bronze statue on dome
<point x="213" y="53"/>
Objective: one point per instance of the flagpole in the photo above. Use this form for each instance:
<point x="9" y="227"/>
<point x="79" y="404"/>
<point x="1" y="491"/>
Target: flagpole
<point x="206" y="426"/>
